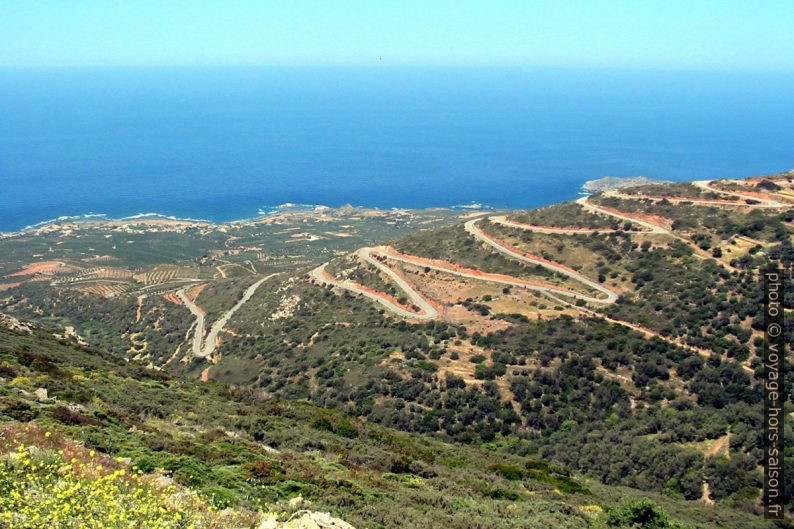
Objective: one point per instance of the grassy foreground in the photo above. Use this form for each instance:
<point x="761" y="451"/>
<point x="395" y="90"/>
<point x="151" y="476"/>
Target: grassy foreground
<point x="113" y="445"/>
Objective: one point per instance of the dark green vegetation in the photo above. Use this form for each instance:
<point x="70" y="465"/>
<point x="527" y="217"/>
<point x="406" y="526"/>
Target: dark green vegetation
<point x="569" y="215"/>
<point x="677" y="190"/>
<point x="710" y="226"/>
<point x="239" y="448"/>
<point x="453" y="244"/>
<point x="576" y="391"/>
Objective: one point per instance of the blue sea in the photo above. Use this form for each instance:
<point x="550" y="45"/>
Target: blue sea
<point x="225" y="143"/>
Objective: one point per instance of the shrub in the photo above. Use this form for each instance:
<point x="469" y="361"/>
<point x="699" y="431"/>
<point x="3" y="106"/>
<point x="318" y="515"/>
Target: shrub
<point x="641" y="514"/>
<point x="499" y="493"/>
<point x="321" y="423"/>
<point x="400" y="465"/>
<point x="264" y="471"/>
<point x="67" y="416"/>
<point x="19" y="411"/>
<point x="42" y="489"/>
<point x="346" y="429"/>
<point x="511" y="472"/>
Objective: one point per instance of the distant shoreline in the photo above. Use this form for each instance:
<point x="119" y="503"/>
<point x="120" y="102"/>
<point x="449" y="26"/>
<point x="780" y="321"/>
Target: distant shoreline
<point x="159" y="219"/>
<point x="589" y="186"/>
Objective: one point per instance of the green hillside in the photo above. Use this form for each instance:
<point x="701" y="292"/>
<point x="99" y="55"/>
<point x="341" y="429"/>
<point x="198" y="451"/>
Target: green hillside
<point x="607" y="349"/>
<point x="243" y="451"/>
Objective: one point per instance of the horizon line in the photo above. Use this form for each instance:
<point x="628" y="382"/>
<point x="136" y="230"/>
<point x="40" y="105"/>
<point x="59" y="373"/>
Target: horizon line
<point x="375" y="63"/>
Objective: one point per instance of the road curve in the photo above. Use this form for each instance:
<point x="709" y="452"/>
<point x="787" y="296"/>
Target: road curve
<point x="649" y="227"/>
<point x="203" y="348"/>
<point x="478" y="275"/>
<point x="504" y="221"/>
<point x="611" y="296"/>
<point x="198" y="333"/>
<point x="416" y="298"/>
<point x="761" y="202"/>
<point x="427" y="311"/>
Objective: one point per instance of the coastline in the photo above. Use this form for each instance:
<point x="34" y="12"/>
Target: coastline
<point x="264" y="214"/>
<point x="588" y="187"/>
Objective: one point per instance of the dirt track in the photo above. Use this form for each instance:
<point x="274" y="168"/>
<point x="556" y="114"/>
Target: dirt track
<point x="209" y="344"/>
<point x="426" y="312"/>
<point x="611" y="296"/>
<point x="761" y="201"/>
<point x="650" y="224"/>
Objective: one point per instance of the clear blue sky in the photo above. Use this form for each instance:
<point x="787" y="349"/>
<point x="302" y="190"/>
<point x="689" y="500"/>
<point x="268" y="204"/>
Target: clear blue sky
<point x="686" y="34"/>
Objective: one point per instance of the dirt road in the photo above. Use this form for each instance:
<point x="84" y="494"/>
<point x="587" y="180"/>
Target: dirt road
<point x="202" y="347"/>
<point x="649" y="226"/>
<point x="611" y="296"/>
<point x="760" y="201"/>
<point x="427" y="311"/>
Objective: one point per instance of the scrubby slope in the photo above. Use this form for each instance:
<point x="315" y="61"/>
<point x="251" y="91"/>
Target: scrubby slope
<point x="237" y="450"/>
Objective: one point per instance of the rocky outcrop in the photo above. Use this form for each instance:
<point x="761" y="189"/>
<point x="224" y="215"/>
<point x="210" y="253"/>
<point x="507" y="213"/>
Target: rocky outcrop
<point x="305" y="520"/>
<point x="616" y="182"/>
<point x="13" y="324"/>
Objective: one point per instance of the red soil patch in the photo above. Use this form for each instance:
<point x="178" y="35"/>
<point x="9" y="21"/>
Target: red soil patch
<point x="173" y="298"/>
<point x="644" y="217"/>
<point x="193" y="292"/>
<point x="485" y="275"/>
<point x="391" y="299"/>
<point x="44" y="267"/>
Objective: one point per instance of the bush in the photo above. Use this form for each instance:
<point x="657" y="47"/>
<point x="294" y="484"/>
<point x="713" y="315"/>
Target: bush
<point x="263" y="471"/>
<point x="499" y="493"/>
<point x="189" y="470"/>
<point x="322" y="423"/>
<point x="400" y="465"/>
<point x="67" y="416"/>
<point x="346" y="429"/>
<point x="19" y="411"/>
<point x="511" y="472"/>
<point x="42" y="489"/>
<point x="641" y="514"/>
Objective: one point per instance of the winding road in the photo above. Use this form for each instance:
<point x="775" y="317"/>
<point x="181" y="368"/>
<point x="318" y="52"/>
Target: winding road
<point x="760" y="201"/>
<point x="502" y="220"/>
<point x="649" y="226"/>
<point x="202" y="347"/>
<point x="426" y="309"/>
<point x="611" y="296"/>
